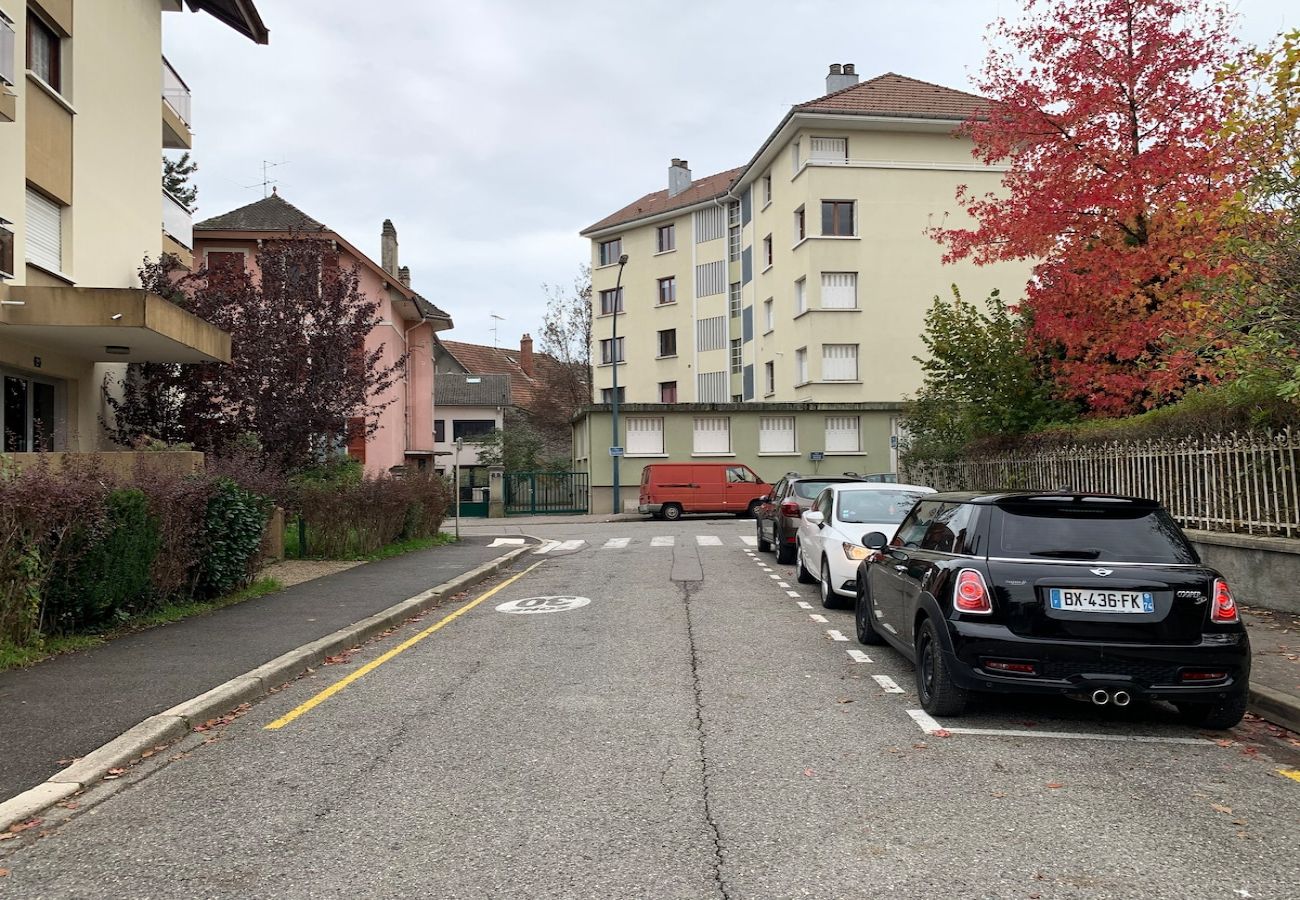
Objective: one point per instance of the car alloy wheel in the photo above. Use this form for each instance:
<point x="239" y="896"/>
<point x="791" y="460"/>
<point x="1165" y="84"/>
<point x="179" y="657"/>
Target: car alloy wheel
<point x="862" y="613"/>
<point x="829" y="598"/>
<point x="801" y="573"/>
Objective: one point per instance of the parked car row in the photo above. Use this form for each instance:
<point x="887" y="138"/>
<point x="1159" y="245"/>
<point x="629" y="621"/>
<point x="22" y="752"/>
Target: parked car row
<point x="1096" y="597"/>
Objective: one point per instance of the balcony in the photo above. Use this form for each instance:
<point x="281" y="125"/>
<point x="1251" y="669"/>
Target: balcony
<point x="175" y="110"/>
<point x="177" y="222"/>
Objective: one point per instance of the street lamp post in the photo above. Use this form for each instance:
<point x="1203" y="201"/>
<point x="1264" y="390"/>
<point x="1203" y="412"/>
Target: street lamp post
<point x="614" y="359"/>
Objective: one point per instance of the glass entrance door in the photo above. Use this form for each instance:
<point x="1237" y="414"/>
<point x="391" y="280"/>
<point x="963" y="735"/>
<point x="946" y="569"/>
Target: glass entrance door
<point x="27" y="413"/>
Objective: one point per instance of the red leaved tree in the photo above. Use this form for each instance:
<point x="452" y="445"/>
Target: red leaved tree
<point x="1109" y="114"/>
<point x="299" y="372"/>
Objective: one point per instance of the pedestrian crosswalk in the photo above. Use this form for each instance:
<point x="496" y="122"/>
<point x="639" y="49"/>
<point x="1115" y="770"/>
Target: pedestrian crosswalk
<point x="664" y="540"/>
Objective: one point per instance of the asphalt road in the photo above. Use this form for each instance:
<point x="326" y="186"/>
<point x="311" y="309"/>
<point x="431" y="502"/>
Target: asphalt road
<point x="691" y="732"/>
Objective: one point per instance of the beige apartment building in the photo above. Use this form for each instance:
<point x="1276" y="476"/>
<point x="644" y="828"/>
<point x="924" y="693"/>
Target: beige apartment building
<point x="801" y="277"/>
<point x="87" y="104"/>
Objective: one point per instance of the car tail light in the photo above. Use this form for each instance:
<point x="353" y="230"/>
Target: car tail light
<point x="1007" y="665"/>
<point x="1204" y="676"/>
<point x="1223" y="610"/>
<point x="972" y="595"/>
<point x="790" y="509"/>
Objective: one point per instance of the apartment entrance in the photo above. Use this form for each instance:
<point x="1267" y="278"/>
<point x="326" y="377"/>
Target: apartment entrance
<point x="28" y="412"/>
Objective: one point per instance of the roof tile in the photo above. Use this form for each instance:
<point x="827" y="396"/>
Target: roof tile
<point x="897" y="95"/>
<point x="271" y="213"/>
<point x="660" y="202"/>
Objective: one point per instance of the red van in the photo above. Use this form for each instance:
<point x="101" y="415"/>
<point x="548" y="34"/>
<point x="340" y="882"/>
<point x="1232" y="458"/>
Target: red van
<point x="670" y="489"/>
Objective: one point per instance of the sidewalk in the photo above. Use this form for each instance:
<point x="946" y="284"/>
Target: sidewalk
<point x="67" y="706"/>
<point x="1275" y="666"/>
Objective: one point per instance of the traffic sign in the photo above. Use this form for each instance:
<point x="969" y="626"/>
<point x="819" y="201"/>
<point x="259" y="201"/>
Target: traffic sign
<point x="816" y="455"/>
<point x="615" y="451"/>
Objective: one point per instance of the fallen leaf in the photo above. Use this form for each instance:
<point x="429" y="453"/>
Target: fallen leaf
<point x="941" y="732"/>
<point x="23" y="826"/>
<point x="845" y="700"/>
<point x="148" y="753"/>
<point x="1220" y="808"/>
<point x="998" y="795"/>
<point x="7" y="836"/>
<point x="809" y="772"/>
<point x="920" y="745"/>
<point x="1240" y="822"/>
<point x="1054" y="785"/>
<point x="117" y="771"/>
<point x="4" y="873"/>
<point x="69" y="804"/>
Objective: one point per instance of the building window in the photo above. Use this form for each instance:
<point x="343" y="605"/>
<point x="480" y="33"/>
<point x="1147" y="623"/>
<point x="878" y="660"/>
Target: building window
<point x="733" y="299"/>
<point x="737" y="356"/>
<point x="837" y="218"/>
<point x="776" y="434"/>
<point x="710" y="224"/>
<point x="839" y="362"/>
<point x="645" y="436"/>
<point x="767" y="189"/>
<point x="44" y="232"/>
<point x="711" y="387"/>
<point x="610" y="301"/>
<point x="439" y="431"/>
<point x="794" y="157"/>
<point x="839" y="290"/>
<point x="769" y="315"/>
<point x="667" y="290"/>
<point x="842" y="434"/>
<point x="44" y="52"/>
<point x="737" y="398"/>
<point x="469" y="429"/>
<point x="800" y="232"/>
<point x="733" y="243"/>
<point x="607" y="395"/>
<point x="801" y="366"/>
<point x="801" y="296"/>
<point x="712" y="435"/>
<point x="767" y="251"/>
<point x="610" y="251"/>
<point x="667" y="392"/>
<point x="27" y="414"/>
<point x="668" y="342"/>
<point x="769" y="378"/>
<point x="829" y="149"/>
<point x="6" y="250"/>
<point x="733" y="214"/>
<point x="611" y="350"/>
<point x="666" y="238"/>
<point x="710" y="278"/>
<point x="711" y="333"/>
<point x="8" y="61"/>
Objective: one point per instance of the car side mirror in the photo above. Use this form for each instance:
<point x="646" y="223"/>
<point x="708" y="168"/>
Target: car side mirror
<point x="875" y="540"/>
<point x="813" y="517"/>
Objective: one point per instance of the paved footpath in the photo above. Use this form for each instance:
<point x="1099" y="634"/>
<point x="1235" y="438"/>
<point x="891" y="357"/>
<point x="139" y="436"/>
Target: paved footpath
<point x="67" y="706"/>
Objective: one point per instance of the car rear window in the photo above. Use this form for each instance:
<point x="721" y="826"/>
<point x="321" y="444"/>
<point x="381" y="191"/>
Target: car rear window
<point x="1114" y="532"/>
<point x="808" y="490"/>
<point x="876" y="507"/>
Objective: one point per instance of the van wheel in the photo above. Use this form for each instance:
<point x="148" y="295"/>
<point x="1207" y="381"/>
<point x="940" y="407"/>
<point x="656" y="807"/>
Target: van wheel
<point x="671" y="511"/>
<point x="801" y="574"/>
<point x="752" y="512"/>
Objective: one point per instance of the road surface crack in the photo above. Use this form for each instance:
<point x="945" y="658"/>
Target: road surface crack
<point x="689" y="589"/>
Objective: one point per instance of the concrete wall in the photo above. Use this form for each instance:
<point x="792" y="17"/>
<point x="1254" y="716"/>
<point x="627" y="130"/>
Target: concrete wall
<point x="1262" y="571"/>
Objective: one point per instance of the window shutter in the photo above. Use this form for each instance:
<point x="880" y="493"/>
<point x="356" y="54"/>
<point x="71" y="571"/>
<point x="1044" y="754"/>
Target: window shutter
<point x="712" y="434"/>
<point x="711" y="387"/>
<point x="776" y="434"/>
<point x="645" y="435"/>
<point x="710" y="278"/>
<point x="839" y="362"/>
<point x="842" y="434"/>
<point x="801" y="366"/>
<point x="710" y="224"/>
<point x="800" y="296"/>
<point x="839" y="290"/>
<point x="711" y="333"/>
<point x="830" y="148"/>
<point x="44" y="232"/>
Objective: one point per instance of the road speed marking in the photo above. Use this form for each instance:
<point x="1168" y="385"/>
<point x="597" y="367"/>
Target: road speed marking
<point x="547" y="604"/>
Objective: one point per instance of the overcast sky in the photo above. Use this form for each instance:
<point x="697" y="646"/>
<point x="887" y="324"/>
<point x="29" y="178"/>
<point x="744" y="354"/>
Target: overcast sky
<point x="492" y="131"/>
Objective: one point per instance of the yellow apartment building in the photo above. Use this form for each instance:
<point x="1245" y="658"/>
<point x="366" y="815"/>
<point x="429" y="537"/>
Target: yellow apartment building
<point x="801" y="277"/>
<point x="87" y="103"/>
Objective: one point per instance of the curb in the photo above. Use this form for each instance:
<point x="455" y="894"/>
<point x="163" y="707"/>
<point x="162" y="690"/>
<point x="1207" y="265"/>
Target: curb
<point x="178" y="721"/>
<point x="1278" y="707"/>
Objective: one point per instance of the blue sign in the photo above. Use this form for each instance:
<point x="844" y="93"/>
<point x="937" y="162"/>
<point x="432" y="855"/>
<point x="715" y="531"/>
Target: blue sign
<point x="816" y="455"/>
<point x="615" y="451"/>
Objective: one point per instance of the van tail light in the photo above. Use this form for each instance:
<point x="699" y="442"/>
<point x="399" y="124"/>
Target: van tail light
<point x="1223" y="610"/>
<point x="790" y="509"/>
<point x="972" y="595"/>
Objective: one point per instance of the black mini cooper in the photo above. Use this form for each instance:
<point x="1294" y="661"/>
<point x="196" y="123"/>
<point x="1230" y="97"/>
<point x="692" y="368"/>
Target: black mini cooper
<point x="1093" y="596"/>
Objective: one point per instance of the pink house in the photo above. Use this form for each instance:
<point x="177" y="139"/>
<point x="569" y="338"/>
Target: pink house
<point x="407" y="321"/>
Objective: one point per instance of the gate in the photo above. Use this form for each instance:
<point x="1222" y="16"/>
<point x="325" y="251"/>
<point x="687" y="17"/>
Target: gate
<point x="533" y="493"/>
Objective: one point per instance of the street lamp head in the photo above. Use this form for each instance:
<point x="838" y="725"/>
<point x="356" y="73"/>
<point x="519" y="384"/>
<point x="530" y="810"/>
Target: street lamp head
<point x="622" y="260"/>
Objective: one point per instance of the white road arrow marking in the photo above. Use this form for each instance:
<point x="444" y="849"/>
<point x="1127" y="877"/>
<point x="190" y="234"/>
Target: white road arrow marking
<point x="547" y="547"/>
<point x="505" y="542"/>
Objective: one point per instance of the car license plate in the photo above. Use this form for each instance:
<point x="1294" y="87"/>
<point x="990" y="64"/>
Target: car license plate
<point x="1071" y="600"/>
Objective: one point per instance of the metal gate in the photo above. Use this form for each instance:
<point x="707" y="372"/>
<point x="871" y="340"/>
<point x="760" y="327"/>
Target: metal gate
<point x="535" y="493"/>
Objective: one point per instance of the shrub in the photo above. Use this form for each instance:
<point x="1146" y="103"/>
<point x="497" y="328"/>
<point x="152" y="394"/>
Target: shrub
<point x="353" y="519"/>
<point x="232" y="528"/>
<point x="107" y="575"/>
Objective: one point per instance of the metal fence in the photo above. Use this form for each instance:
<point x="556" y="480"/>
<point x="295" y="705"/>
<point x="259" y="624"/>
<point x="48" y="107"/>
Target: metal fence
<point x="1239" y="482"/>
<point x="531" y="493"/>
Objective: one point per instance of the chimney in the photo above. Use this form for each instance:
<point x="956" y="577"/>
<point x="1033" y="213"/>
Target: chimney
<point x="679" y="177"/>
<point x="388" y="248"/>
<point x="404" y="276"/>
<point x="841" y="77"/>
<point x="526" y="355"/>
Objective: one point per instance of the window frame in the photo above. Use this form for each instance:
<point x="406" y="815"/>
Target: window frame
<point x="801" y="373"/>
<point x="633" y="448"/>
<point x="800" y="296"/>
<point x="835" y="218"/>
<point x="673" y="333"/>
<point x="857" y="428"/>
<point x="695" y="433"/>
<point x="735" y="299"/>
<point x="612" y="346"/>
<point x="616" y="294"/>
<point x="37" y="25"/>
<point x="670" y="295"/>
<point x="669" y="231"/>
<point x="607" y="394"/>
<point x="800" y="224"/>
<point x="9" y="43"/>
<point x="457" y="432"/>
<point x="791" y="432"/>
<point x="857" y="360"/>
<point x="668" y="392"/>
<point x="767" y="190"/>
<point x="737" y="356"/>
<point x="769" y="315"/>
<point x="607" y="259"/>
<point x="767" y="252"/>
<point x="769" y="378"/>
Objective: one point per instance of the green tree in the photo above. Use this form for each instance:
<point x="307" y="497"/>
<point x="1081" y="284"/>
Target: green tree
<point x="176" y="179"/>
<point x="979" y="379"/>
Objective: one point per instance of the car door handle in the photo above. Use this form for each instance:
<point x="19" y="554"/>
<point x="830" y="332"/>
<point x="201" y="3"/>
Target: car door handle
<point x="900" y="568"/>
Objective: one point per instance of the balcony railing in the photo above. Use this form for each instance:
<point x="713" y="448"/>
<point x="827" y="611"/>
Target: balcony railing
<point x="177" y="221"/>
<point x="175" y="92"/>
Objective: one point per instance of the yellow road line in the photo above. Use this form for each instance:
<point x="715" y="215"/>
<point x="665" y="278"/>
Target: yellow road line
<point x="1293" y="774"/>
<point x="376" y="663"/>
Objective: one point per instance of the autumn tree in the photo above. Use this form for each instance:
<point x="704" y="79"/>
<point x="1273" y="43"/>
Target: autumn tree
<point x="176" y="177"/>
<point x="565" y="367"/>
<point x="1109" y="115"/>
<point x="299" y="370"/>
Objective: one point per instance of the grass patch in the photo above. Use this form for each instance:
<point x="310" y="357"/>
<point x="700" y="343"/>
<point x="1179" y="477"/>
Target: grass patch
<point x="12" y="657"/>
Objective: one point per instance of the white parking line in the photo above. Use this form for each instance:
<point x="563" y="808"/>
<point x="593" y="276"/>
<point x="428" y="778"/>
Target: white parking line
<point x="663" y="541"/>
<point x="835" y="635"/>
<point x="708" y="540"/>
<point x="749" y="540"/>
<point x="792" y="593"/>
<point x="890" y="686"/>
<point x="572" y="545"/>
<point x="817" y="618"/>
<point x="773" y="575"/>
<point x="782" y="584"/>
<point x="930" y="726"/>
<point x="802" y="605"/>
<point x="858" y="656"/>
<point x="617" y="543"/>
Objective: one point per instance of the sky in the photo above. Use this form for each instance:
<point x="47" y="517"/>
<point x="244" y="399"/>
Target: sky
<point x="492" y="131"/>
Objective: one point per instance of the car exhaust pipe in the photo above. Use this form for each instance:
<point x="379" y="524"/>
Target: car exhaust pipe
<point x="1122" y="698"/>
<point x="1101" y="698"/>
